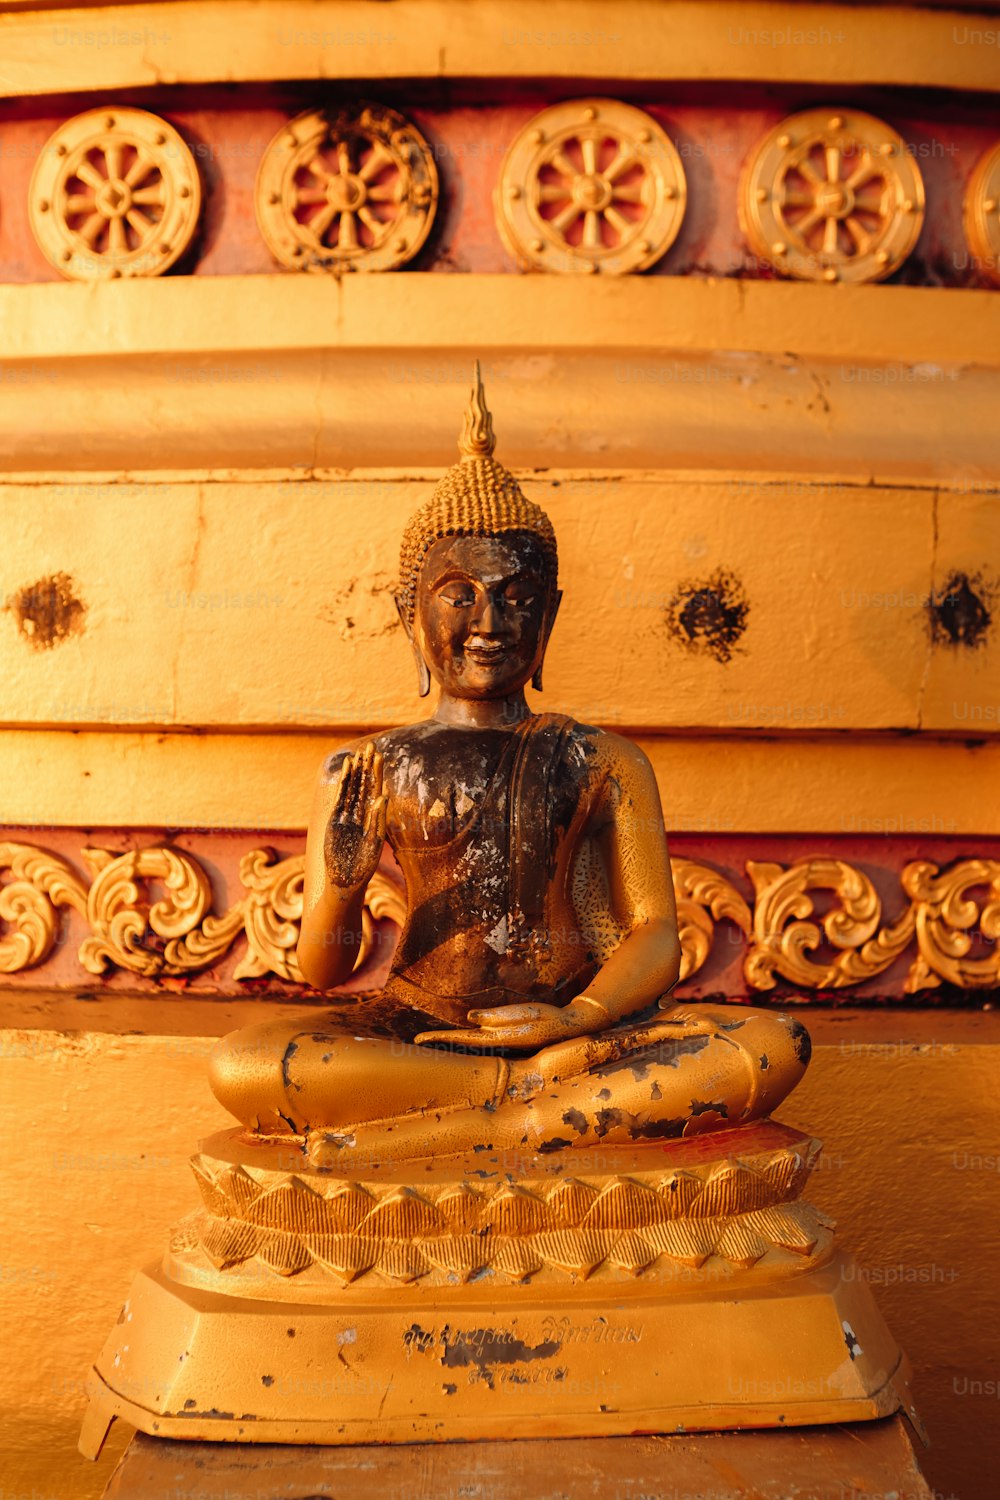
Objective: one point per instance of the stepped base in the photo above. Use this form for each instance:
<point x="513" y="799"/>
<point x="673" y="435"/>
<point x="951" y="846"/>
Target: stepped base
<point x="193" y="1364"/>
<point x="654" y="1291"/>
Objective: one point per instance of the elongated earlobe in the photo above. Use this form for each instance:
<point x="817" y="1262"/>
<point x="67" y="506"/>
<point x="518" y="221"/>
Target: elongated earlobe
<point x="423" y="670"/>
<point x="536" y="681"/>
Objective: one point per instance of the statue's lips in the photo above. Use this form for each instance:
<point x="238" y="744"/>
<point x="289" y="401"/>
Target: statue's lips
<point x="487" y="654"/>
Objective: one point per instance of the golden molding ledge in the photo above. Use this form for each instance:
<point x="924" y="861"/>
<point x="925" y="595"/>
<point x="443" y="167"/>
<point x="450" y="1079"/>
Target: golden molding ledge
<point x="411" y="311"/>
<point x="181" y="780"/>
<point x="311" y="375"/>
<point x="951" y="935"/>
<point x="232" y="41"/>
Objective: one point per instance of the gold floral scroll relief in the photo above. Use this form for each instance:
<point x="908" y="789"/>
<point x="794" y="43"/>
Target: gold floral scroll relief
<point x="942" y="919"/>
<point x="951" y="922"/>
<point x="176" y="935"/>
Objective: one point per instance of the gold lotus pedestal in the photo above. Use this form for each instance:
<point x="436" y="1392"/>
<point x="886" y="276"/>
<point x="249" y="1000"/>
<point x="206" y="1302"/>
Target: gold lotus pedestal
<point x="657" y="1289"/>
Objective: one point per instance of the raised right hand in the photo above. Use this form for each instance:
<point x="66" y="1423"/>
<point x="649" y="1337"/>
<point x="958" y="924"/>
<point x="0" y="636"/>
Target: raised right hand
<point x="355" y="833"/>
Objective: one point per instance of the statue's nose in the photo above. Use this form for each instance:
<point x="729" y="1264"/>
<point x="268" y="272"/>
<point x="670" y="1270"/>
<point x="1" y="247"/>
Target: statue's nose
<point x="488" y="619"/>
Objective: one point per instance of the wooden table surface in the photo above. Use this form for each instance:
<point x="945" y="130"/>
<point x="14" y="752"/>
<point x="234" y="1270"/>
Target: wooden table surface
<point x="856" y="1461"/>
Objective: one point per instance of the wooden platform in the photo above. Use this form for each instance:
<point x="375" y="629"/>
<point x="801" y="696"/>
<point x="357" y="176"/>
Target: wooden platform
<point x="855" y="1461"/>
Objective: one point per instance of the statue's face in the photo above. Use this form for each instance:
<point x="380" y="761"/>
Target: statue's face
<point x="480" y="613"/>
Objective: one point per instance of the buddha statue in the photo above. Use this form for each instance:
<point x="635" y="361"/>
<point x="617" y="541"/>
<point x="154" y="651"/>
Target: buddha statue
<point x="448" y="1201"/>
<point x="526" y="1003"/>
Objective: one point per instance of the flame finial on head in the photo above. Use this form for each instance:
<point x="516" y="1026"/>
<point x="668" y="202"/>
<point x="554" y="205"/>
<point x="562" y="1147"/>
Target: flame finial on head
<point x="475" y="497"/>
<point x="477" y="439"/>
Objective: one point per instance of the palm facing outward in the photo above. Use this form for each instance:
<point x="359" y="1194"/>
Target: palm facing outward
<point x="355" y="833"/>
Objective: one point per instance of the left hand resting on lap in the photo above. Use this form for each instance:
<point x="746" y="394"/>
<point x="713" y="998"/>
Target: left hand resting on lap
<point x="529" y="1025"/>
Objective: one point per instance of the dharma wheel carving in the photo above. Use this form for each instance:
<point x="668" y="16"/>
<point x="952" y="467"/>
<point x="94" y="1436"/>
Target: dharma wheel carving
<point x="831" y="196"/>
<point x="115" y="192"/>
<point x="349" y="189"/>
<point x="982" y="214"/>
<point x="590" y="185"/>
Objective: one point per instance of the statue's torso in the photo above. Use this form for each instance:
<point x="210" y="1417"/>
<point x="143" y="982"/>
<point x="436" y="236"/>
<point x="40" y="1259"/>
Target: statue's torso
<point x="484" y="928"/>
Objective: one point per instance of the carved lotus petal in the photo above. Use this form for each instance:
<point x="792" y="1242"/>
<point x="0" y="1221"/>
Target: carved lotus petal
<point x="402" y="1262"/>
<point x="346" y="1255"/>
<point x="285" y="1253"/>
<point x="189" y="1233"/>
<point x="461" y="1255"/>
<point x="677" y="1193"/>
<point x="792" y="1227"/>
<point x="625" y="1204"/>
<point x="741" y="1244"/>
<point x="515" y="1211"/>
<point x="403" y="1215"/>
<point x="787" y="1174"/>
<point x="211" y="1187"/>
<point x="756" y="1189"/>
<point x="686" y="1240"/>
<point x="570" y="1202"/>
<point x="348" y="1207"/>
<point x="632" y="1253"/>
<point x="732" y="1189"/>
<point x="461" y="1210"/>
<point x="576" y="1250"/>
<point x="240" y="1189"/>
<point x="229" y="1242"/>
<point x="293" y="1206"/>
<point x="516" y="1257"/>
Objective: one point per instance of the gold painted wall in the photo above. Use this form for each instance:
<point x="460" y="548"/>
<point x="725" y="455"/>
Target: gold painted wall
<point x="259" y="604"/>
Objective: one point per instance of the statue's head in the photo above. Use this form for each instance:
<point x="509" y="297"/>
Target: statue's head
<point x="478" y="587"/>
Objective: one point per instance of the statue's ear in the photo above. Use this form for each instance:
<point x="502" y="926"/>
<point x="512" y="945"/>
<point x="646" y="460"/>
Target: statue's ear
<point x="536" y="681"/>
<point x="556" y="601"/>
<point x="423" y="671"/>
<point x="399" y="599"/>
